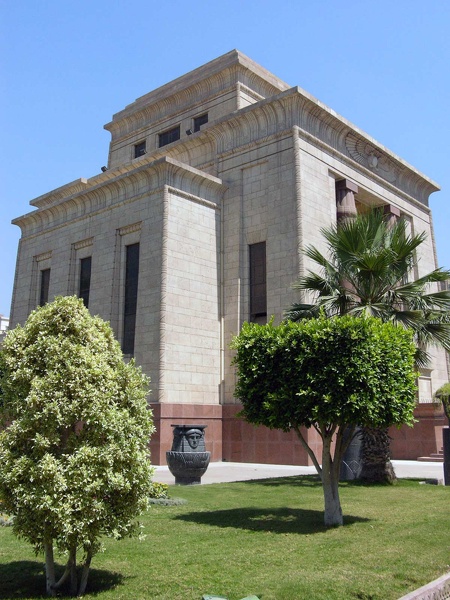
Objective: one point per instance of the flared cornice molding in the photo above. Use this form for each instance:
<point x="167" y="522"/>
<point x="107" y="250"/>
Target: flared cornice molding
<point x="268" y="118"/>
<point x="324" y="128"/>
<point x="126" y="184"/>
<point x="214" y="78"/>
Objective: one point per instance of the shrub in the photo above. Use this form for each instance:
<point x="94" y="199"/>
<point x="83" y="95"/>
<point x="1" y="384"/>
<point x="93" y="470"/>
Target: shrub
<point x="159" y="490"/>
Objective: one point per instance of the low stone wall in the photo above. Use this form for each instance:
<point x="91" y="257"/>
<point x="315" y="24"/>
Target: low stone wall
<point x="439" y="589"/>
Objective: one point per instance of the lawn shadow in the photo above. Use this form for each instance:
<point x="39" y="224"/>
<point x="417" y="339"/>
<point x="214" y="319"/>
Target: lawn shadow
<point x="312" y="481"/>
<point x="275" y="520"/>
<point x="26" y="579"/>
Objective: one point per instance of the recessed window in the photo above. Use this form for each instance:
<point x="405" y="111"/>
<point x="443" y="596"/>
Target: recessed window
<point x="258" y="284"/>
<point x="199" y="121"/>
<point x="85" y="279"/>
<point x="169" y="136"/>
<point x="140" y="149"/>
<point x="131" y="295"/>
<point x="44" y="287"/>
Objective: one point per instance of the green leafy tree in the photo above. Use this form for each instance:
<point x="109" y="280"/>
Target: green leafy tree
<point x="443" y="395"/>
<point x="329" y="374"/>
<point x="369" y="270"/>
<point x="74" y="461"/>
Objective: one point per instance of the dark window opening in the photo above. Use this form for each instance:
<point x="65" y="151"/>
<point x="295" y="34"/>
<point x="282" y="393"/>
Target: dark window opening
<point x="44" y="287"/>
<point x="85" y="279"/>
<point x="140" y="149"/>
<point x="131" y="294"/>
<point x="199" y="121"/>
<point x="169" y="136"/>
<point x="258" y="283"/>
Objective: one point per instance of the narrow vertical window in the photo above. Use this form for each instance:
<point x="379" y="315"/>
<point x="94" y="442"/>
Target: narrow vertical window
<point x="44" y="287"/>
<point x="131" y="292"/>
<point x="258" y="285"/>
<point x="85" y="279"/>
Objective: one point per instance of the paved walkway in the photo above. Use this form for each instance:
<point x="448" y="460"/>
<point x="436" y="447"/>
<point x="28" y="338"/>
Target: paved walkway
<point x="221" y="472"/>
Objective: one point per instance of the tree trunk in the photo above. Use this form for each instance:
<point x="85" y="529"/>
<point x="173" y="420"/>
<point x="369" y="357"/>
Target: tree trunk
<point x="85" y="574"/>
<point x="49" y="568"/>
<point x="73" y="572"/>
<point x="376" y="455"/>
<point x="330" y="483"/>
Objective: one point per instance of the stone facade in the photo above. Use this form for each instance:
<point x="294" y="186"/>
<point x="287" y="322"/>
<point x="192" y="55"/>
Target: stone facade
<point x="4" y="323"/>
<point x="4" y="326"/>
<point x="218" y="160"/>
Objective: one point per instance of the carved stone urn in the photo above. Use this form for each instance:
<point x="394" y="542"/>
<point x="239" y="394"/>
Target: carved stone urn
<point x="188" y="459"/>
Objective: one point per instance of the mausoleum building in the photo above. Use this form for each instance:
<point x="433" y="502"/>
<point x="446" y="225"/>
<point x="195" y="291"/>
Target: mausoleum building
<point x="213" y="184"/>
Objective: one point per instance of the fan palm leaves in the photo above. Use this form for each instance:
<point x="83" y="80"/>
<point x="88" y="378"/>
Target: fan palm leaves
<point x="369" y="268"/>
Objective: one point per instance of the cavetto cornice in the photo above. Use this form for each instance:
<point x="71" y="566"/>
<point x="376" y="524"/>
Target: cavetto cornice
<point x="279" y="108"/>
<point x="324" y="128"/>
<point x="201" y="84"/>
<point x="285" y="111"/>
<point x="127" y="183"/>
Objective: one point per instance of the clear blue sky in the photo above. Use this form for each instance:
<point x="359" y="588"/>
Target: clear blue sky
<point x="67" y="66"/>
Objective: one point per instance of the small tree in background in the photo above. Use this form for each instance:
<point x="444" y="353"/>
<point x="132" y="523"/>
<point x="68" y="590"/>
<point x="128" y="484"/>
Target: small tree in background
<point x="74" y="462"/>
<point x="330" y="374"/>
<point x="369" y="269"/>
<point x="443" y="395"/>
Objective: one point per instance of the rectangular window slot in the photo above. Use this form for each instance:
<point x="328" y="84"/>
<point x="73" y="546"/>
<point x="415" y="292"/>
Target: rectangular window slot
<point x="44" y="287"/>
<point x="85" y="279"/>
<point x="172" y="135"/>
<point x="199" y="121"/>
<point x="258" y="283"/>
<point x="140" y="149"/>
<point x="131" y="294"/>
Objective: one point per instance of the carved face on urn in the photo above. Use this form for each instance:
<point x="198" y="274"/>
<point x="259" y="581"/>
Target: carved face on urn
<point x="194" y="437"/>
<point x="188" y="438"/>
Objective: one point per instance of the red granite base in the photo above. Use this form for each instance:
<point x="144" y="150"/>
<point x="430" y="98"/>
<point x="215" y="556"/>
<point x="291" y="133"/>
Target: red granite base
<point x="242" y="442"/>
<point x="424" y="439"/>
<point x="230" y="438"/>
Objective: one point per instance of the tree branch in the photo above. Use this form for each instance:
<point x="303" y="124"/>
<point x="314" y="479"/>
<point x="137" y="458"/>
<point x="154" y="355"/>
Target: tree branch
<point x="68" y="570"/>
<point x="311" y="454"/>
<point x="318" y="430"/>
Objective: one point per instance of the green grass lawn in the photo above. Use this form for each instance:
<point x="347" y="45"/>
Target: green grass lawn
<point x="266" y="538"/>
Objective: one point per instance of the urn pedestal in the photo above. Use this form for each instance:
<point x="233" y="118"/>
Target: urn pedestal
<point x="188" y="459"/>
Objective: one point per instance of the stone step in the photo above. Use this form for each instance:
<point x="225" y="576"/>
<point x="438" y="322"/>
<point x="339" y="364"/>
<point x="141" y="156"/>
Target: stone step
<point x="432" y="458"/>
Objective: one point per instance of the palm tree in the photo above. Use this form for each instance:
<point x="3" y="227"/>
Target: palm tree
<point x="370" y="270"/>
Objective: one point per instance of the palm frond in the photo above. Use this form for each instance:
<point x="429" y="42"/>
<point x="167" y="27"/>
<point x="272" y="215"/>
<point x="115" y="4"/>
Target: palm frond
<point x="422" y="358"/>
<point x="366" y="271"/>
<point x="297" y="312"/>
<point x="314" y="254"/>
<point x="314" y="283"/>
<point x="434" y="333"/>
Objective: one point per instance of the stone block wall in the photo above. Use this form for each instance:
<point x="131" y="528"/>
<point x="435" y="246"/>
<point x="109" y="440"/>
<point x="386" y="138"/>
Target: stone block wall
<point x="190" y="328"/>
